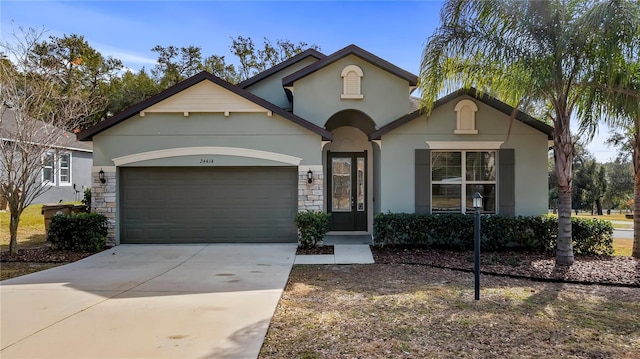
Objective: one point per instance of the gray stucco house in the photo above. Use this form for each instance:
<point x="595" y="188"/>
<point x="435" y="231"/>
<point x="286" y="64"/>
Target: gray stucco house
<point x="209" y="161"/>
<point x="66" y="164"/>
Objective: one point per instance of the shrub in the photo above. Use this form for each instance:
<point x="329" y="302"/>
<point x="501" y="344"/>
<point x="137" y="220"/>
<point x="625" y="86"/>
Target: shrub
<point x="78" y="231"/>
<point x="86" y="199"/>
<point x="592" y="236"/>
<point x="498" y="233"/>
<point x="312" y="227"/>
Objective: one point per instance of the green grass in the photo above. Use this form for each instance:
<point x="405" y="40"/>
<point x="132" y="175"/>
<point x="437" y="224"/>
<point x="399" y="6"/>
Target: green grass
<point x="31" y="231"/>
<point x="609" y="217"/>
<point x="622" y="246"/>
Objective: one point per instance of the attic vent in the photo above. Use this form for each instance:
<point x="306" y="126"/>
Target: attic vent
<point x="466" y="118"/>
<point x="352" y="77"/>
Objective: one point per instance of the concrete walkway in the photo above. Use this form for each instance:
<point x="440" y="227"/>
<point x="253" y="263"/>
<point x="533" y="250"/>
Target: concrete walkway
<point x="147" y="301"/>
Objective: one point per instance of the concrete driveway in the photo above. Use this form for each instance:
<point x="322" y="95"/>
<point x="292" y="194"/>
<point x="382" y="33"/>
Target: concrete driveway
<point x="147" y="301"/>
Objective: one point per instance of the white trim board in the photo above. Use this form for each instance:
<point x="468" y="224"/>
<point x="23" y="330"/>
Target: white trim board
<point x="195" y="151"/>
<point x="464" y="145"/>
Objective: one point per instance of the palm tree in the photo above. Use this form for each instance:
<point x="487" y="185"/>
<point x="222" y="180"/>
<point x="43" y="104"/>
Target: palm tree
<point x="544" y="54"/>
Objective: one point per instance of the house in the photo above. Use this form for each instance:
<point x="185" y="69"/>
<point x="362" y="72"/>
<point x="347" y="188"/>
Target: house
<point x="209" y="161"/>
<point x="66" y="164"/>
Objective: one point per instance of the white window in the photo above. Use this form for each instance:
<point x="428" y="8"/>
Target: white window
<point x="47" y="169"/>
<point x="457" y="175"/>
<point x="56" y="169"/>
<point x="352" y="83"/>
<point x="65" y="169"/>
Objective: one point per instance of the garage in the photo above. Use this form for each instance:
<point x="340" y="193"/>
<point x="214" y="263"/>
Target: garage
<point x="208" y="204"/>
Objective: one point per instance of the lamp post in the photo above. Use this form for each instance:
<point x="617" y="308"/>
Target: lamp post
<point x="477" y="204"/>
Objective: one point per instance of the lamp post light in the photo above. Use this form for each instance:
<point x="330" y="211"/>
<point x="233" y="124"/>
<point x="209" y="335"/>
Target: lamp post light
<point x="477" y="204"/>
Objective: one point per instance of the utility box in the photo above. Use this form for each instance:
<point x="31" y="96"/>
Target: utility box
<point x="50" y="210"/>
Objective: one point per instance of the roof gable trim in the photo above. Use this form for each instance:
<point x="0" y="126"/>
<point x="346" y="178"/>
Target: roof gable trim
<point x="356" y="51"/>
<point x="88" y="134"/>
<point x="486" y="99"/>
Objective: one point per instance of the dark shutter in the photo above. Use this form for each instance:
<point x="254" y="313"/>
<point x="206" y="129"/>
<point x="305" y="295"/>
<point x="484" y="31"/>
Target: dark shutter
<point x="506" y="182"/>
<point x="423" y="181"/>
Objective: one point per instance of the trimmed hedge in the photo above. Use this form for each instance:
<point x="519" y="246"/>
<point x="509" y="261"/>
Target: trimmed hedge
<point x="78" y="231"/>
<point x="498" y="233"/>
<point x="312" y="226"/>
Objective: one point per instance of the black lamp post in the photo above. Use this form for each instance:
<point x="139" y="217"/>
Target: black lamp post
<point x="477" y="204"/>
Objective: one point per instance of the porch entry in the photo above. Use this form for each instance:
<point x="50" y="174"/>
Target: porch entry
<point x="347" y="184"/>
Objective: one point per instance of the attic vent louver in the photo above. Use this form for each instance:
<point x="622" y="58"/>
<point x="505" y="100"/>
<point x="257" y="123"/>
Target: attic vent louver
<point x="466" y="118"/>
<point x="352" y="87"/>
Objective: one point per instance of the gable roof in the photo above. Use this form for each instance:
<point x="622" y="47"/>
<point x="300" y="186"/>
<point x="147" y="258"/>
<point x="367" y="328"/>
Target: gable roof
<point x="63" y="139"/>
<point x="351" y="50"/>
<point x="88" y="134"/>
<point x="486" y="99"/>
<point x="290" y="61"/>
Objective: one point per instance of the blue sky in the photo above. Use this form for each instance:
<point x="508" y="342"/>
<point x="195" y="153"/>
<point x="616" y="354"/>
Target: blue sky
<point x="393" y="30"/>
<point x="127" y="30"/>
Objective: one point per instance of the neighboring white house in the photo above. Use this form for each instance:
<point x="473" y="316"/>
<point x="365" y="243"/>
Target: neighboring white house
<point x="66" y="167"/>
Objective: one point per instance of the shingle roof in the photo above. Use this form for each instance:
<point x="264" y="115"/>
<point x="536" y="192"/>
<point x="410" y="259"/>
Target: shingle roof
<point x="293" y="60"/>
<point x="64" y="139"/>
<point x="202" y="76"/>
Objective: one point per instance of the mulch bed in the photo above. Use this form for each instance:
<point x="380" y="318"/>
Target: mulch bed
<point x="623" y="271"/>
<point x="43" y="255"/>
<point x="315" y="250"/>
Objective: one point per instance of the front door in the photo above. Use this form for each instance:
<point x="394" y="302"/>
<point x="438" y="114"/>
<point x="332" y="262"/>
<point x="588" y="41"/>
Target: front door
<point x="348" y="191"/>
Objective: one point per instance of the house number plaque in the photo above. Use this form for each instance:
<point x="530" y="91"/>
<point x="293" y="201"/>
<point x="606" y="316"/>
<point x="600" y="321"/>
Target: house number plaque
<point x="206" y="161"/>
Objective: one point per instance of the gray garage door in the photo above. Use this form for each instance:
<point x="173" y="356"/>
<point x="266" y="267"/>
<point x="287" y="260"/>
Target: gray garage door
<point x="208" y="205"/>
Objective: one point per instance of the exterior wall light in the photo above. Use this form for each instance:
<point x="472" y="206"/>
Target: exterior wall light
<point x="309" y="176"/>
<point x="101" y="176"/>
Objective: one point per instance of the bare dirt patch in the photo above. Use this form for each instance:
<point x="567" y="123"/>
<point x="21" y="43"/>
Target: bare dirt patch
<point x="30" y="260"/>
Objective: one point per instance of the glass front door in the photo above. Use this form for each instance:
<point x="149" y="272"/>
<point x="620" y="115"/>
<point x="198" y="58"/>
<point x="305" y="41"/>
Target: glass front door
<point x="348" y="185"/>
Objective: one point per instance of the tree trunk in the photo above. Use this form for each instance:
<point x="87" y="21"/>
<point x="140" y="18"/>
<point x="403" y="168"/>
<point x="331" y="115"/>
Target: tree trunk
<point x="636" y="193"/>
<point x="563" y="155"/>
<point x="13" y="230"/>
<point x="599" y="206"/>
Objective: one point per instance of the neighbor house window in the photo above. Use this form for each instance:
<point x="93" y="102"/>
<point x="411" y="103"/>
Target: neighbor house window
<point x="47" y="169"/>
<point x="56" y="169"/>
<point x="65" y="168"/>
<point x="352" y="82"/>
<point x="457" y="175"/>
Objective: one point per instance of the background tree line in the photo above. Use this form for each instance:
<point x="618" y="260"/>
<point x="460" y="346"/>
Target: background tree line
<point x="82" y="69"/>
<point x="597" y="187"/>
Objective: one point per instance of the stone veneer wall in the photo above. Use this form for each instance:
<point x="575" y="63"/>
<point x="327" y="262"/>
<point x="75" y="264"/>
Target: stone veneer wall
<point x="103" y="199"/>
<point x="310" y="195"/>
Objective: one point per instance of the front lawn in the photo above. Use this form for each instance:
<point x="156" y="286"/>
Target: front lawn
<point x="30" y="231"/>
<point x="412" y="311"/>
